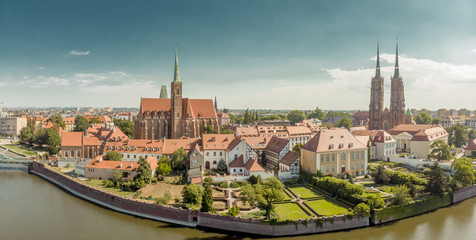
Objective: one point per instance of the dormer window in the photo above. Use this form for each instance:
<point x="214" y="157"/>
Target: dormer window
<point x="152" y="149"/>
<point x="332" y="137"/>
<point x="146" y="149"/>
<point x="341" y="145"/>
<point x="158" y="149"/>
<point x="331" y="146"/>
<point x="351" y="145"/>
<point x="115" y="148"/>
<point x="135" y="148"/>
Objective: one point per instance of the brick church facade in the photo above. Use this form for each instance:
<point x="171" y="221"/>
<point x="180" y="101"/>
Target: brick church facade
<point x="380" y="118"/>
<point x="174" y="117"/>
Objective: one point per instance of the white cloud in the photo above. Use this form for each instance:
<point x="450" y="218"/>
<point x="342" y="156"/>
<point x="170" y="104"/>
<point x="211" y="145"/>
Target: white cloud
<point x="474" y="50"/>
<point x="3" y="84"/>
<point x="111" y="78"/>
<point x="44" y="82"/>
<point x="78" y="53"/>
<point x="41" y="68"/>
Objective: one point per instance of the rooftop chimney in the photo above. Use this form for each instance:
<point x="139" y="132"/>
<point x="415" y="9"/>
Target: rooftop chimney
<point x="120" y="166"/>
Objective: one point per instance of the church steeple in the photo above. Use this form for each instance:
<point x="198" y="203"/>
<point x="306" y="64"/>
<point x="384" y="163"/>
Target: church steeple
<point x="377" y="69"/>
<point x="397" y="70"/>
<point x="176" y="70"/>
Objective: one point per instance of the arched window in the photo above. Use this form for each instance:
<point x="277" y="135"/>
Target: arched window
<point x="65" y="153"/>
<point x="72" y="153"/>
<point x="79" y="153"/>
<point x="214" y="162"/>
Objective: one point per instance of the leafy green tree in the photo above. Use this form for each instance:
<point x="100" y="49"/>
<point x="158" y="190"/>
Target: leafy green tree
<point x="458" y="135"/>
<point x="436" y="121"/>
<point x="40" y="138"/>
<point x="53" y="141"/>
<point x="437" y="182"/>
<point x="464" y="172"/>
<point x="233" y="118"/>
<point x="401" y="195"/>
<point x="472" y="134"/>
<point x="126" y="126"/>
<point x="422" y="118"/>
<point x="318" y="113"/>
<point x="263" y="195"/>
<point x="207" y="199"/>
<point x="81" y="124"/>
<point x="179" y="157"/>
<point x="144" y="173"/>
<point x="221" y="166"/>
<point x="362" y="208"/>
<point x="338" y="114"/>
<point x="233" y="211"/>
<point x="210" y="130"/>
<point x="94" y="120"/>
<point x="113" y="156"/>
<point x="57" y="120"/>
<point x="296" y="116"/>
<point x="192" y="194"/>
<point x="164" y="167"/>
<point x="375" y="201"/>
<point x="440" y="151"/>
<point x="345" y="122"/>
<point x="380" y="175"/>
<point x="297" y="147"/>
<point x="208" y="180"/>
<point x="117" y="178"/>
<point x="26" y="135"/>
<point x="253" y="179"/>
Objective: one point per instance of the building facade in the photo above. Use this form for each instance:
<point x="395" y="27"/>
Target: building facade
<point x="12" y="126"/>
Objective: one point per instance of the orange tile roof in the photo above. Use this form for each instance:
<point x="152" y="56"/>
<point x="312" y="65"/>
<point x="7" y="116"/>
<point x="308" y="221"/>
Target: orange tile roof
<point x="171" y="145"/>
<point x="233" y="144"/>
<point x="253" y="166"/>
<point x="237" y="162"/>
<point x="91" y="141"/>
<point x="191" y="108"/>
<point x="217" y="141"/>
<point x="290" y="158"/>
<point x="119" y="165"/>
<point x="298" y="130"/>
<point x="246" y="131"/>
<point x="334" y="139"/>
<point x="276" y="144"/>
<point x="256" y="142"/>
<point x="135" y="145"/>
<point x="154" y="105"/>
<point x="68" y="120"/>
<point x="420" y="132"/>
<point x="72" y="139"/>
<point x="471" y="145"/>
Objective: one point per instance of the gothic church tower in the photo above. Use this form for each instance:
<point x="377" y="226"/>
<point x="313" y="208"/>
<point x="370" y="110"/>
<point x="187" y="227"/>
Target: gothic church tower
<point x="397" y="96"/>
<point x="376" y="97"/>
<point x="176" y="103"/>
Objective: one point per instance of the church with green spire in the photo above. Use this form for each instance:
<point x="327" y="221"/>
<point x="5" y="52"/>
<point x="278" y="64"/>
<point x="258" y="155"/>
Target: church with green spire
<point x="174" y="117"/>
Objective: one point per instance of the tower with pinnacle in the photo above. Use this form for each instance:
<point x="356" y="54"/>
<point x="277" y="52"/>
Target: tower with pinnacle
<point x="176" y="102"/>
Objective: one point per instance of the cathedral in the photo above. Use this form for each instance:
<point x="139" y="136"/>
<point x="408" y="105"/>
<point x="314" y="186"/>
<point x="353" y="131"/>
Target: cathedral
<point x="380" y="118"/>
<point x="174" y="117"/>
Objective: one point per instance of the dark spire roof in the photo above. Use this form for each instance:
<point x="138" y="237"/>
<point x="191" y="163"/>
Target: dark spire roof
<point x="216" y="105"/>
<point x="176" y="70"/>
<point x="377" y="69"/>
<point x="163" y="92"/>
<point x="397" y="70"/>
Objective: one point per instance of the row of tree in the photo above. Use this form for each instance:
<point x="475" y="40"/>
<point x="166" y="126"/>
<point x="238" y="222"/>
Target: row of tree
<point x="48" y="139"/>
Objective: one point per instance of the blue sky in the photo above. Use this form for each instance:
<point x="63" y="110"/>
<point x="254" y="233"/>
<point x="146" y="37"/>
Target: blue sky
<point x="257" y="54"/>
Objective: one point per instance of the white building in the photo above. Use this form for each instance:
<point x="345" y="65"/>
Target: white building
<point x="12" y="126"/>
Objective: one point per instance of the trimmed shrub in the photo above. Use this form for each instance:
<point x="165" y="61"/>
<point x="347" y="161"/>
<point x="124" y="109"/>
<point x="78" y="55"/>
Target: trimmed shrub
<point x="341" y="188"/>
<point x="234" y="185"/>
<point x="208" y="180"/>
<point x="223" y="185"/>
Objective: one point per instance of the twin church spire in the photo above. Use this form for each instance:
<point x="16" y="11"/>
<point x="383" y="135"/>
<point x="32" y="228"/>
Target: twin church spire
<point x="396" y="73"/>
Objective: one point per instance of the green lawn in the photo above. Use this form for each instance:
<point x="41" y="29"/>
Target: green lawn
<point x="98" y="184"/>
<point x="304" y="192"/>
<point x="325" y="207"/>
<point x="290" y="211"/>
<point x="21" y="149"/>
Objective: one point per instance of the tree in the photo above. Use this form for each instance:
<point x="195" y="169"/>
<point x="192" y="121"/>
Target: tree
<point x="422" y="118"/>
<point x="210" y="130"/>
<point x="144" y="173"/>
<point x="345" y="122"/>
<point x="207" y="199"/>
<point x="126" y="126"/>
<point x="57" y="120"/>
<point x="437" y="182"/>
<point x="117" y="178"/>
<point x="80" y="124"/>
<point x="318" y="113"/>
<point x="233" y="211"/>
<point x="458" y="135"/>
<point x="440" y="151"/>
<point x="179" y="157"/>
<point x="94" y="120"/>
<point x="233" y="119"/>
<point x="297" y="147"/>
<point x="472" y="134"/>
<point x="164" y="167"/>
<point x="263" y="195"/>
<point x="436" y="121"/>
<point x="464" y="172"/>
<point x="296" y="116"/>
<point x="113" y="156"/>
<point x="53" y="141"/>
<point x="192" y="194"/>
<point x="362" y="208"/>
<point x="221" y="166"/>
<point x="380" y="176"/>
<point x="401" y="195"/>
<point x="26" y="135"/>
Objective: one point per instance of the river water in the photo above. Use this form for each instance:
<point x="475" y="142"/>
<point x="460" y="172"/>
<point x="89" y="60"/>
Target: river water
<point x="31" y="208"/>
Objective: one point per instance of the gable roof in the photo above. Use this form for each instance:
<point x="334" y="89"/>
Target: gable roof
<point x="72" y="139"/>
<point x="290" y="158"/>
<point x="233" y="144"/>
<point x="217" y="141"/>
<point x="276" y="144"/>
<point x="171" y="145"/>
<point x="237" y="162"/>
<point x="253" y="166"/>
<point x="471" y="145"/>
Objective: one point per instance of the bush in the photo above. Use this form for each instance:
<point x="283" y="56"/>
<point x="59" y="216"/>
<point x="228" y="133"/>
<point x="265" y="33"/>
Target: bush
<point x="224" y="185"/>
<point x="400" y="178"/>
<point x="341" y="188"/>
<point x="290" y="182"/>
<point x="164" y="200"/>
<point x="234" y="185"/>
<point x="208" y="180"/>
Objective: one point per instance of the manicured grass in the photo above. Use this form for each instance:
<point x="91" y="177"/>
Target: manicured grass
<point x="98" y="184"/>
<point x="290" y="211"/>
<point x="219" y="205"/>
<point x="304" y="192"/>
<point x="325" y="207"/>
<point x="217" y="193"/>
<point x="21" y="149"/>
<point x="161" y="188"/>
<point x="286" y="196"/>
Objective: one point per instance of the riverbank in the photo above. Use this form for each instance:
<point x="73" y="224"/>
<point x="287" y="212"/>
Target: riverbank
<point x="192" y="218"/>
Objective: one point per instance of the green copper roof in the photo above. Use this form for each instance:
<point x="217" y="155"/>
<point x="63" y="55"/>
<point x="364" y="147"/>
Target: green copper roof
<point x="408" y="112"/>
<point x="377" y="70"/>
<point x="176" y="70"/>
<point x="397" y="70"/>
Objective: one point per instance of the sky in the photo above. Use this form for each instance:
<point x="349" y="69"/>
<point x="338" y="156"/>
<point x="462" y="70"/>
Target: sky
<point x="266" y="54"/>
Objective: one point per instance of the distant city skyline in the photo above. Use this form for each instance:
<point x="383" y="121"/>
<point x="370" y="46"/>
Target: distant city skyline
<point x="250" y="54"/>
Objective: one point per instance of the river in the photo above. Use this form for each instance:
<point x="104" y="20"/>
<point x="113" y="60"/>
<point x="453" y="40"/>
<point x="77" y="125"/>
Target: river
<point x="31" y="208"/>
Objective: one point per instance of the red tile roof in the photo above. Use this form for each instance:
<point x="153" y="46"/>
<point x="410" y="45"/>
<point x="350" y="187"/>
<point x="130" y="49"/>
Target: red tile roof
<point x="246" y="131"/>
<point x="191" y="108"/>
<point x="135" y="145"/>
<point x="256" y="142"/>
<point x="237" y="162"/>
<point x="334" y="139"/>
<point x="91" y="141"/>
<point x="276" y="144"/>
<point x="290" y="158"/>
<point x="119" y="165"/>
<point x="253" y="166"/>
<point x="471" y="145"/>
<point x="217" y="141"/>
<point x="171" y="145"/>
<point x="233" y="144"/>
<point x="72" y="139"/>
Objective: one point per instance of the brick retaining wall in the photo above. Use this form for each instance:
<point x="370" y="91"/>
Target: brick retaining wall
<point x="463" y="194"/>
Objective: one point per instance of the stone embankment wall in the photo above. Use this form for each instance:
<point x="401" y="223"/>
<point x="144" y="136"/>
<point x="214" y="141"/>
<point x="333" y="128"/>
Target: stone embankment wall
<point x="129" y="206"/>
<point x="253" y="226"/>
<point x="463" y="194"/>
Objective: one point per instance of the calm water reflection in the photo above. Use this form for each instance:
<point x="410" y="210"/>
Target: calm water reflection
<point x="31" y="208"/>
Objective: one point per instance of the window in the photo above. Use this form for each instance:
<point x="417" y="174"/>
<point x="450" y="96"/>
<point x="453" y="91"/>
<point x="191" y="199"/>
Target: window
<point x="72" y="153"/>
<point x="333" y="157"/>
<point x="343" y="156"/>
<point x="352" y="156"/>
<point x="214" y="162"/>
<point x="327" y="169"/>
<point x="146" y="149"/>
<point x="333" y="168"/>
<point x="357" y="165"/>
<point x="357" y="155"/>
<point x="327" y="157"/>
<point x="362" y="154"/>
<point x="208" y="154"/>
<point x="214" y="153"/>
<point x="322" y="169"/>
<point x="322" y="158"/>
<point x="221" y="154"/>
<point x="352" y="166"/>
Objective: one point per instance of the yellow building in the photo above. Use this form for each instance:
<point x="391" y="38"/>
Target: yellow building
<point x="334" y="151"/>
